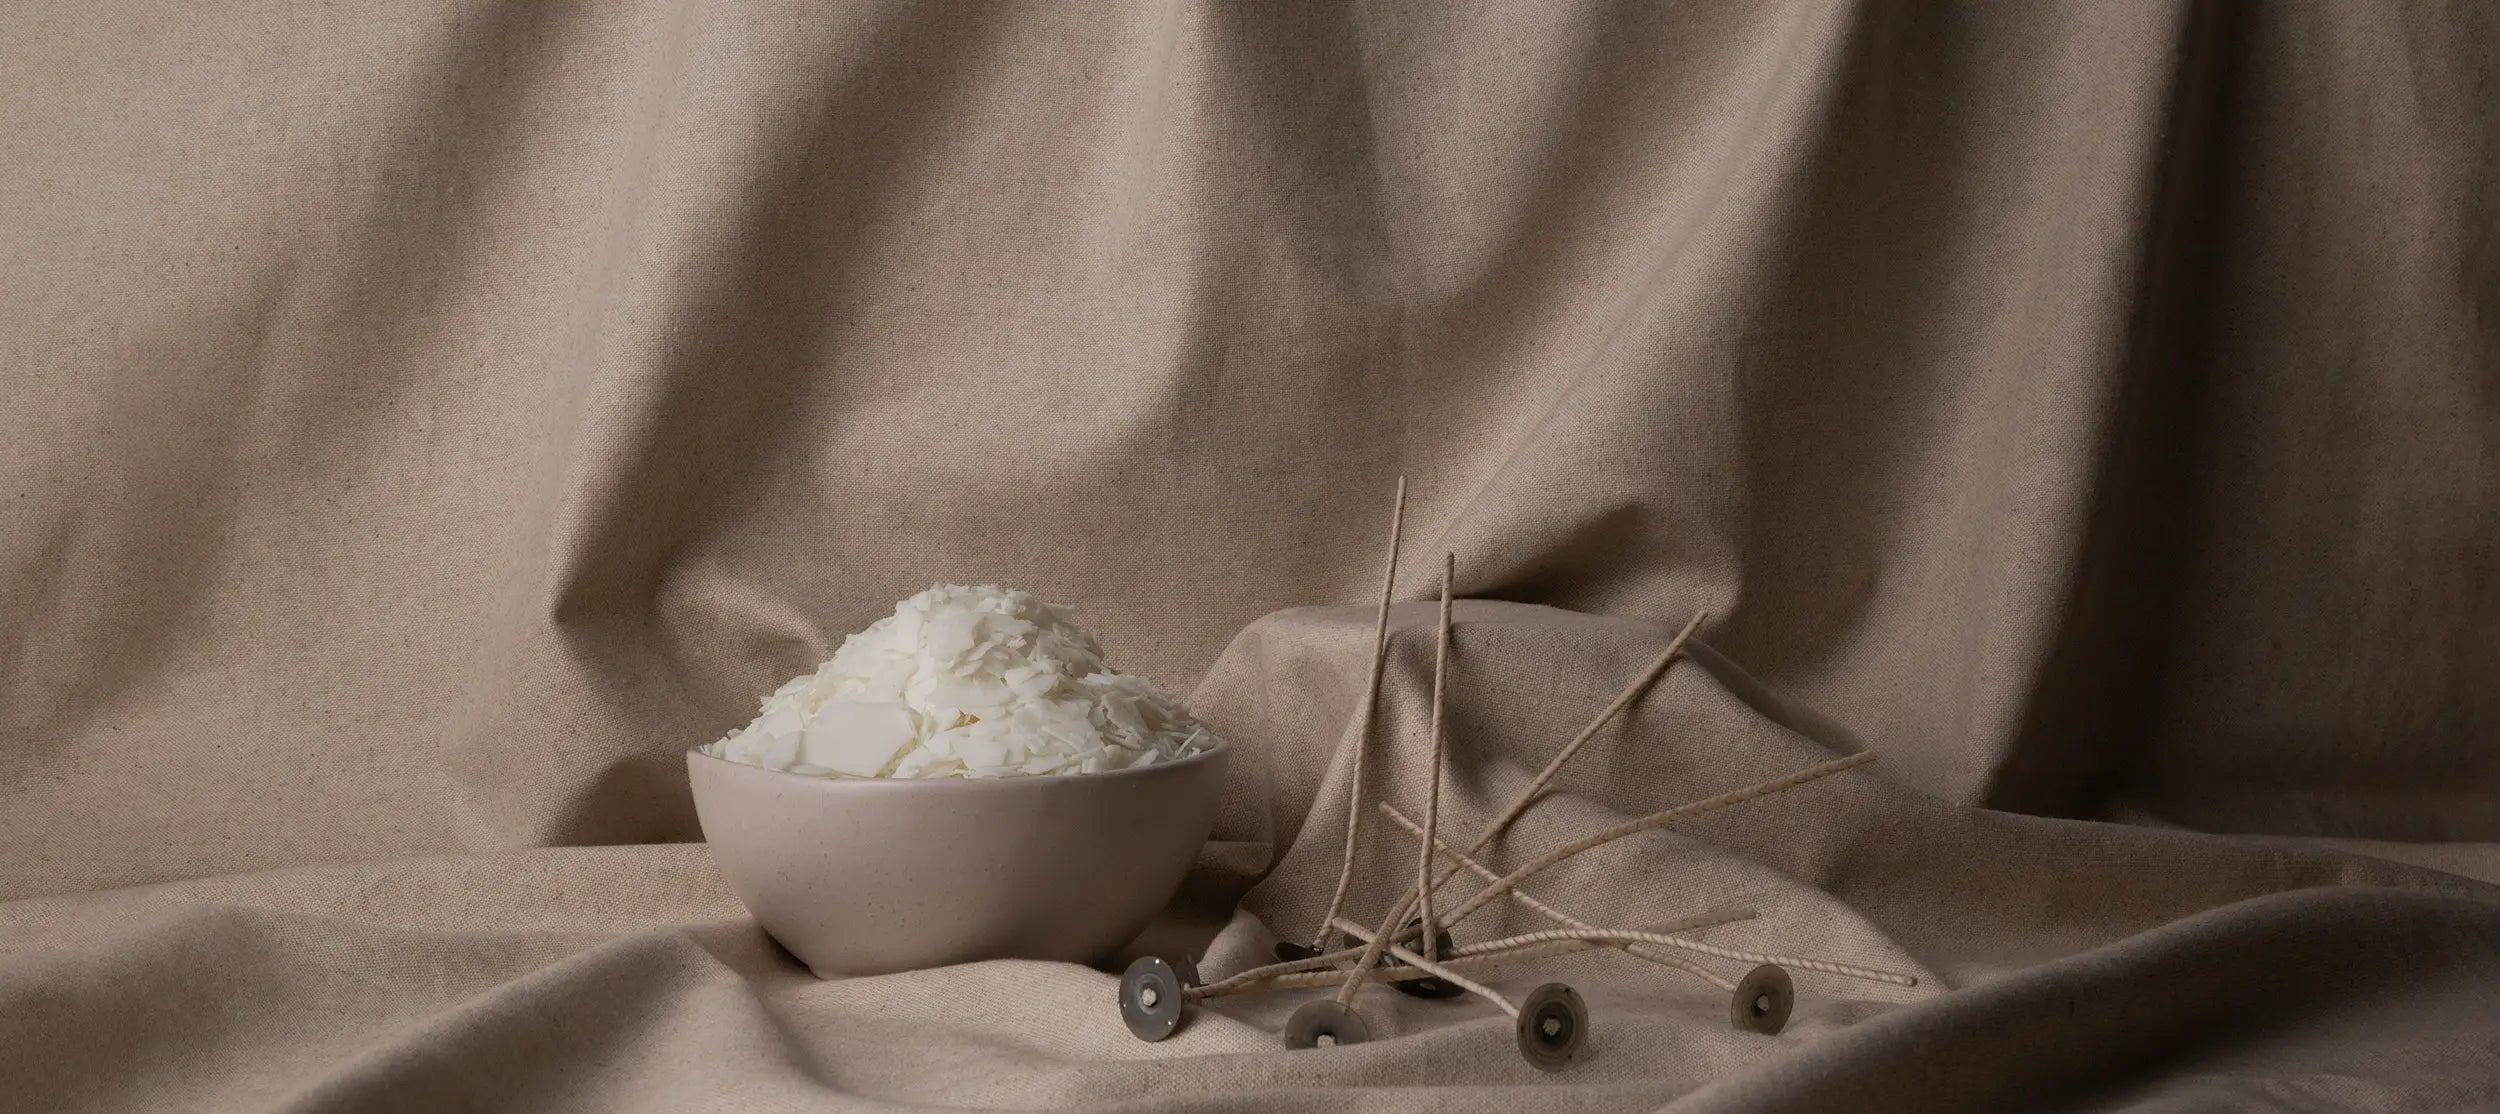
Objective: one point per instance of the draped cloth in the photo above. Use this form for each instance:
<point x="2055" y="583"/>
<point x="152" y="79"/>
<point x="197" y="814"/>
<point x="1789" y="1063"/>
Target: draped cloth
<point x="424" y="422"/>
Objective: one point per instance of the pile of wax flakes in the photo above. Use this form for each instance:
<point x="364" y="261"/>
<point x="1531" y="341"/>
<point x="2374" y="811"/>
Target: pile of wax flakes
<point x="965" y="682"/>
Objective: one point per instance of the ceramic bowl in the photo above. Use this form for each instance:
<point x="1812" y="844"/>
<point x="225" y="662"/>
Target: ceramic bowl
<point x="867" y="876"/>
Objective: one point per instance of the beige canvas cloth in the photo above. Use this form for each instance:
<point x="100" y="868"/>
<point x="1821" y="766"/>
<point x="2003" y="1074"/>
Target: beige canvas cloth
<point x="425" y="421"/>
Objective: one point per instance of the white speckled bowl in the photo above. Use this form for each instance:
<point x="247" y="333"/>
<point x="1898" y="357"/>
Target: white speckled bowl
<point x="867" y="876"/>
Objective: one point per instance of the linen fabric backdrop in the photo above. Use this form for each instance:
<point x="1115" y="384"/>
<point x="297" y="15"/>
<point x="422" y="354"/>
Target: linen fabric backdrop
<point x="426" y="421"/>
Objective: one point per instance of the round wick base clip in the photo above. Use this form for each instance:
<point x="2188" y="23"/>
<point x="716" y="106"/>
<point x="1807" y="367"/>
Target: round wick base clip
<point x="1553" y="1026"/>
<point x="1325" y="1024"/>
<point x="1430" y="987"/>
<point x="1289" y="952"/>
<point x="1154" y="995"/>
<point x="1763" y="1000"/>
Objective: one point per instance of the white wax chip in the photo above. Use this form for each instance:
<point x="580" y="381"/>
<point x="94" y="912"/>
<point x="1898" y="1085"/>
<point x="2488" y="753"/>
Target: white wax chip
<point x="965" y="682"/>
<point x="985" y="750"/>
<point x="857" y="738"/>
<point x="923" y="762"/>
<point x="784" y="720"/>
<point x="777" y="751"/>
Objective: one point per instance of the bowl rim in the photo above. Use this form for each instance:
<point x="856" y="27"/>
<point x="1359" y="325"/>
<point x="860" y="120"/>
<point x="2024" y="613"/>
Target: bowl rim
<point x="1220" y="747"/>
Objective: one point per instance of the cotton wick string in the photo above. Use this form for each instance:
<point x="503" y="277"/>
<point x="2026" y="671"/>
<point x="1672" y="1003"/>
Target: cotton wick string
<point x="1706" y="919"/>
<point x="1511" y="880"/>
<point x="1322" y="970"/>
<point x="1326" y="961"/>
<point x="1372" y="949"/>
<point x="1440" y="753"/>
<point x="1657" y="820"/>
<point x="1700" y="920"/>
<point x="1536" y="787"/>
<point x="1363" y="732"/>
<point x="1616" y="935"/>
<point x="1435" y="970"/>
<point x="1639" y="685"/>
<point x="1305" y="979"/>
